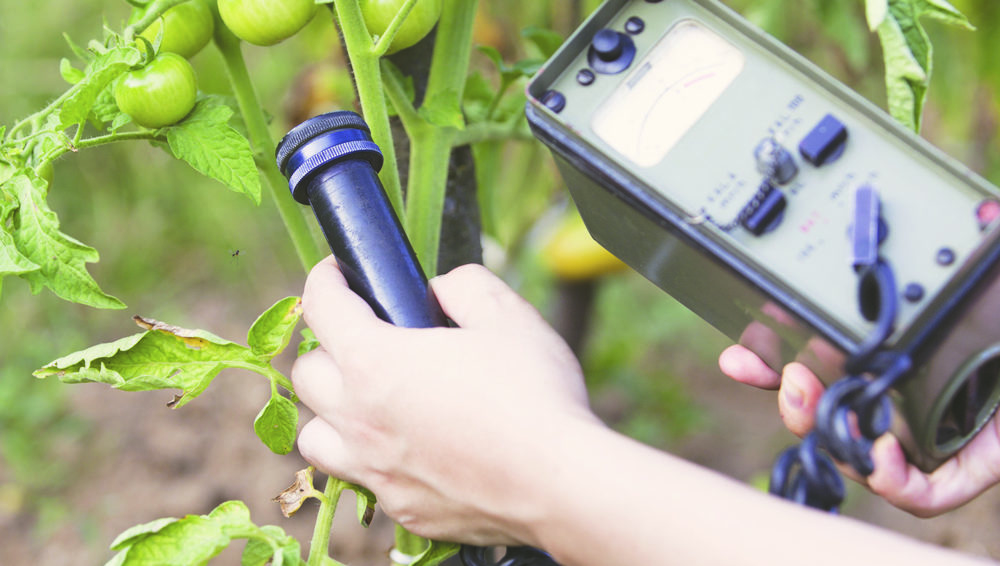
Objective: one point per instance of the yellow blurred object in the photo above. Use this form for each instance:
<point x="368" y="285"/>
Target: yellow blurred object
<point x="571" y="253"/>
<point x="12" y="498"/>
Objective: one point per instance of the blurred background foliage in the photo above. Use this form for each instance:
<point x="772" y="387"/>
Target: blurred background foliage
<point x="178" y="247"/>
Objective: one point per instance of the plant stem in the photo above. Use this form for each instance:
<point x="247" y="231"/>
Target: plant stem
<point x="319" y="546"/>
<point x="390" y="32"/>
<point x="306" y="247"/>
<point x="430" y="145"/>
<point x="156" y="10"/>
<point x="368" y="80"/>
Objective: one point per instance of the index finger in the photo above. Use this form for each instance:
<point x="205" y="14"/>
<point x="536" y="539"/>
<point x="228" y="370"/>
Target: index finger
<point x="332" y="310"/>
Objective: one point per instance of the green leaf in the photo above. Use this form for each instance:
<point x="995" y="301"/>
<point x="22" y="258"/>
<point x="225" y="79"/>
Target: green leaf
<point x="276" y="424"/>
<point x="208" y="144"/>
<point x="444" y="110"/>
<point x="875" y="12"/>
<point x="60" y="258"/>
<point x="436" y="553"/>
<point x="233" y="518"/>
<point x="908" y="55"/>
<point x="163" y="357"/>
<point x="273" y="329"/>
<point x="365" y="504"/>
<point x="81" y="53"/>
<point x="547" y="41"/>
<point x="69" y="73"/>
<point x="100" y="73"/>
<point x="309" y="341"/>
<point x="191" y="541"/>
<point x="137" y="532"/>
<point x="12" y="262"/>
<point x="257" y="552"/>
<point x="105" y="110"/>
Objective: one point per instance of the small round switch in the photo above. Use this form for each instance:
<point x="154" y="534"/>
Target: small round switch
<point x="775" y="162"/>
<point x="610" y="52"/>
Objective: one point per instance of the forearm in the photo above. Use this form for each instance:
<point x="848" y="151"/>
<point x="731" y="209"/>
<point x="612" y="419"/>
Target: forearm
<point x="612" y="501"/>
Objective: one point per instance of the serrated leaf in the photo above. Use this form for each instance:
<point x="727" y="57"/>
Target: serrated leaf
<point x="444" y="110"/>
<point x="547" y="41"/>
<point x="191" y="541"/>
<point x="908" y="54"/>
<point x="276" y="424"/>
<point x="133" y="534"/>
<point x="309" y="341"/>
<point x="163" y="357"/>
<point x="69" y="73"/>
<point x="100" y="73"/>
<point x="61" y="259"/>
<point x="271" y="332"/>
<point x="215" y="149"/>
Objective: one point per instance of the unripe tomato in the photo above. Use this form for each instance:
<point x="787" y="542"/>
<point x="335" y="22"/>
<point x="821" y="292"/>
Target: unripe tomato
<point x="187" y="28"/>
<point x="266" y="22"/>
<point x="571" y="253"/>
<point x="421" y="19"/>
<point x="159" y="94"/>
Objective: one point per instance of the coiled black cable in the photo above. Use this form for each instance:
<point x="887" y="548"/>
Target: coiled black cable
<point x="853" y="412"/>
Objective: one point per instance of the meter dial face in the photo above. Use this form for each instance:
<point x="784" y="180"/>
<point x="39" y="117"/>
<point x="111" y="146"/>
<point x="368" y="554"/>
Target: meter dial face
<point x="667" y="93"/>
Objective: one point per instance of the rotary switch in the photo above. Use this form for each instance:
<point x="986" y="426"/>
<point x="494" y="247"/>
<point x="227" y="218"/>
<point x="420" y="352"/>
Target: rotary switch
<point x="610" y="52"/>
<point x="775" y="162"/>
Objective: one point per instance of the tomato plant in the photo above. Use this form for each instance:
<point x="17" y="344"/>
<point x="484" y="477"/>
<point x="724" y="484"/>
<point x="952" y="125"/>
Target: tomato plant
<point x="266" y="22"/>
<point x="159" y="94"/>
<point x="186" y="28"/>
<point x="419" y="22"/>
<point x="106" y="87"/>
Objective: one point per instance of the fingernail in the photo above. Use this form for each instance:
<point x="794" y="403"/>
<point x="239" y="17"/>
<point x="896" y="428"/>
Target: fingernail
<point x="793" y="396"/>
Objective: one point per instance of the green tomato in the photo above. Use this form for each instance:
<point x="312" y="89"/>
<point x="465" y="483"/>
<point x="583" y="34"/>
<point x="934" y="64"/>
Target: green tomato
<point x="187" y="28"/>
<point x="421" y="19"/>
<point x="159" y="94"/>
<point x="266" y="22"/>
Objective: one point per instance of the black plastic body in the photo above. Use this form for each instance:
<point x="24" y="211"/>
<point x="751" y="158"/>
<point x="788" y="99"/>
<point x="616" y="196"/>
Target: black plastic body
<point x="368" y="241"/>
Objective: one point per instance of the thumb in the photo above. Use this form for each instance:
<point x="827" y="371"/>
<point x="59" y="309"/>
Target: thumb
<point x="473" y="297"/>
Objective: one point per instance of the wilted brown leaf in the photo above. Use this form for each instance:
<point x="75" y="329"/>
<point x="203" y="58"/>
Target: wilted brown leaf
<point x="296" y="494"/>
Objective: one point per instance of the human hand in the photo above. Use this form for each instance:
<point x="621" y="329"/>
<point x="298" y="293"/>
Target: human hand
<point x="973" y="470"/>
<point x="443" y="424"/>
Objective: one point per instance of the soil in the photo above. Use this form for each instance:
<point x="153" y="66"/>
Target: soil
<point x="144" y="461"/>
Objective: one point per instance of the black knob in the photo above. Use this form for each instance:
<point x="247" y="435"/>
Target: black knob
<point x="607" y="44"/>
<point x="610" y="52"/>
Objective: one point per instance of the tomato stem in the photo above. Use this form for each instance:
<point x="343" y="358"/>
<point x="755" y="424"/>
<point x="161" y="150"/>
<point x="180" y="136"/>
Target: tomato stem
<point x="156" y="9"/>
<point x="431" y="145"/>
<point x="291" y="213"/>
<point x="390" y="32"/>
<point x="368" y="80"/>
<point x="319" y="546"/>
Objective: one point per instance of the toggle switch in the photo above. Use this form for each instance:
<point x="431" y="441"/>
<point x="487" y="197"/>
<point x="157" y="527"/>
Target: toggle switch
<point x="825" y="142"/>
